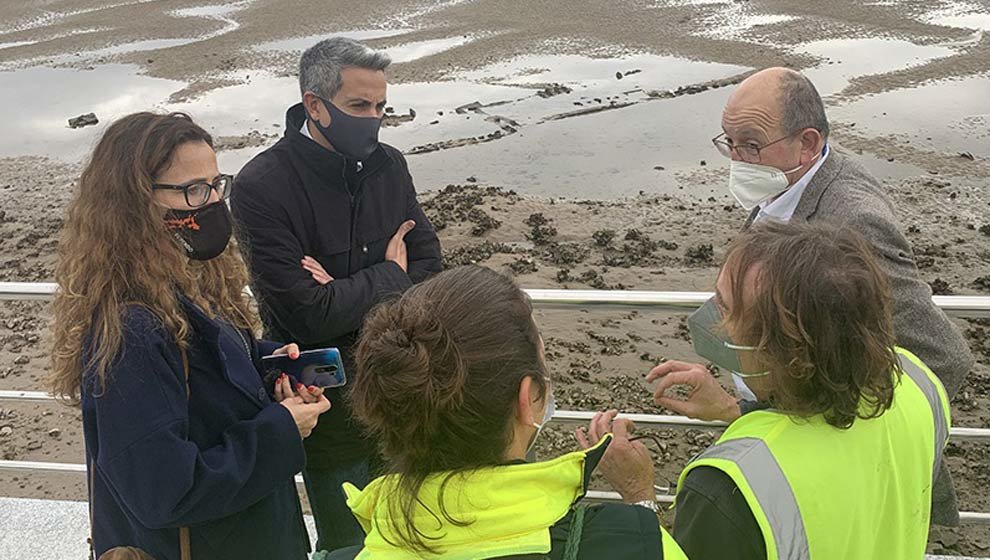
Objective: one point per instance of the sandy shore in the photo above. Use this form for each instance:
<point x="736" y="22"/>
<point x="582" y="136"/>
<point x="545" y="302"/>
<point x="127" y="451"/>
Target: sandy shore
<point x="563" y="174"/>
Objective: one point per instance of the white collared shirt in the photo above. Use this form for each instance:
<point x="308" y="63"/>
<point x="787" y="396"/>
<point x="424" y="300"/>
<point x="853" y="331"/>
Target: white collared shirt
<point x="782" y="208"/>
<point x="305" y="130"/>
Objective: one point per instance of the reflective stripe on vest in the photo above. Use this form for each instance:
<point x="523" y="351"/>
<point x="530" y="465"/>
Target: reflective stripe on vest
<point x="931" y="392"/>
<point x="773" y="492"/>
<point x="771" y="488"/>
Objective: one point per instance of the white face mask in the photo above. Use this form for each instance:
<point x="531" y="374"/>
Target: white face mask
<point x="752" y="183"/>
<point x="548" y="413"/>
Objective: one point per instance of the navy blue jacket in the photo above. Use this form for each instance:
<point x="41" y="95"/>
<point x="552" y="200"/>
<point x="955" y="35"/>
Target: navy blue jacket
<point x="221" y="462"/>
<point x="298" y="198"/>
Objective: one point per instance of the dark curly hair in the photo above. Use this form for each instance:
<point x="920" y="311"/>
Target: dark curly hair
<point x="821" y="317"/>
<point x="438" y="374"/>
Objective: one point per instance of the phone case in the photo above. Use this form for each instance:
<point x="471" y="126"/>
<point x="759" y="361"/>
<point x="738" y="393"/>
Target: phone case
<point x="320" y="368"/>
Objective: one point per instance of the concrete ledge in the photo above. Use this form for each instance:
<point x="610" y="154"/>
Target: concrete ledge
<point x="33" y="529"/>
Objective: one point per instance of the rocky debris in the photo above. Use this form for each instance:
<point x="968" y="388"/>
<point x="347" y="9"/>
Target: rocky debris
<point x="55" y="433"/>
<point x="967" y="155"/>
<point x="483" y="222"/>
<point x="6" y="432"/>
<point x="552" y="90"/>
<point x="474" y="107"/>
<point x="21" y="360"/>
<point x="609" y="345"/>
<point x="940" y="287"/>
<point x="523" y="265"/>
<point x="507" y="125"/>
<point x="701" y="254"/>
<point x="391" y="120"/>
<point x="542" y="232"/>
<point x="473" y="254"/>
<point x="89" y="119"/>
<point x="637" y="249"/>
<point x="985" y="230"/>
<point x="252" y="139"/>
<point x="589" y="110"/>
<point x="459" y="142"/>
<point x="458" y="203"/>
<point x="564" y="253"/>
<point x="593" y="279"/>
<point x="982" y="283"/>
<point x="603" y="237"/>
<point x="699" y="88"/>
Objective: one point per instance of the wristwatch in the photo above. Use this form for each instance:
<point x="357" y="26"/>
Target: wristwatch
<point x="651" y="505"/>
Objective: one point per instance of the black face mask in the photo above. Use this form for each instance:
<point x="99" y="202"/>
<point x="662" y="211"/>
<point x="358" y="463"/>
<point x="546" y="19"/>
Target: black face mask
<point x="203" y="232"/>
<point x="354" y="137"/>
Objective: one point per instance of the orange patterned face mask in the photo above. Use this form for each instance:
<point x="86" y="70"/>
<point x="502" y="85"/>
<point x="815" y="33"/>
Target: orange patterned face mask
<point x="202" y="233"/>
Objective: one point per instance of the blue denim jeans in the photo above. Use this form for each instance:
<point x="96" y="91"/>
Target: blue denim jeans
<point x="335" y="524"/>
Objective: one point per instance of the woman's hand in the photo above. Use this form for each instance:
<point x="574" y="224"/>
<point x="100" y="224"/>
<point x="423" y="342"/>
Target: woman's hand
<point x="305" y="406"/>
<point x="290" y="350"/>
<point x="627" y="465"/>
<point x="316" y="270"/>
<point x="284" y="390"/>
<point x="708" y="400"/>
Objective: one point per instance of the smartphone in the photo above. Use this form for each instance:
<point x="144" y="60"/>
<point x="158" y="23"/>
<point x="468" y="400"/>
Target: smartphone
<point x="321" y="368"/>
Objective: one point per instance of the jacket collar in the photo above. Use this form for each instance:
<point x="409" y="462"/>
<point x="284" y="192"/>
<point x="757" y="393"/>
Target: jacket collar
<point x="824" y="178"/>
<point x="509" y="508"/>
<point x="808" y="203"/>
<point x="327" y="164"/>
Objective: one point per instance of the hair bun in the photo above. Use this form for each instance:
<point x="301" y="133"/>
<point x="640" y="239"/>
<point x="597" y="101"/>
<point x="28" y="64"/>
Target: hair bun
<point x="414" y="360"/>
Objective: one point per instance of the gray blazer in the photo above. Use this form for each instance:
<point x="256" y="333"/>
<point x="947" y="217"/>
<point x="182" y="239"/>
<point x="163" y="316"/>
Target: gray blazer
<point x="845" y="193"/>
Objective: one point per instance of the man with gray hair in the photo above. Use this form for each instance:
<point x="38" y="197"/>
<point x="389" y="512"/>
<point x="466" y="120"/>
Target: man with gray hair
<point x="775" y="130"/>
<point x="330" y="223"/>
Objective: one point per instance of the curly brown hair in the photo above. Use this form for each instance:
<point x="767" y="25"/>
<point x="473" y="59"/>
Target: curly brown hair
<point x="114" y="251"/>
<point x="821" y="317"/>
<point x="438" y="373"/>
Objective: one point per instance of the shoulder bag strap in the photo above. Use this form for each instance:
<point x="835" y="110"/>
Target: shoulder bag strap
<point x="185" y="548"/>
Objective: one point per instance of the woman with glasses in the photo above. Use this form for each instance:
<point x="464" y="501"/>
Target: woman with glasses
<point x="189" y="453"/>
<point x="453" y="381"/>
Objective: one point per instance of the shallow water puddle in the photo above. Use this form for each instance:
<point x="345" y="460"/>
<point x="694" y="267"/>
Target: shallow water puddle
<point x="12" y="44"/>
<point x="735" y="22"/>
<point x="844" y="59"/>
<point x="949" y="116"/>
<point x="964" y="15"/>
<point x="218" y="12"/>
<point x="37" y="124"/>
<point x="604" y="155"/>
<point x="589" y="84"/>
<point x="422" y="49"/>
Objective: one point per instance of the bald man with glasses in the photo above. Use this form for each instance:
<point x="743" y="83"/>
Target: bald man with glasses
<point x="776" y="133"/>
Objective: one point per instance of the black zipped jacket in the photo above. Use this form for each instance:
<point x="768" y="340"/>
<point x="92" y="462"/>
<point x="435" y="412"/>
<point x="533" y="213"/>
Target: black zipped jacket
<point x="298" y="198"/>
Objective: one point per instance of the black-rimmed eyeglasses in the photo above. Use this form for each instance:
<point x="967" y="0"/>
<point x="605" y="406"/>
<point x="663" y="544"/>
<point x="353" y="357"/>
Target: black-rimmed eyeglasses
<point x="197" y="193"/>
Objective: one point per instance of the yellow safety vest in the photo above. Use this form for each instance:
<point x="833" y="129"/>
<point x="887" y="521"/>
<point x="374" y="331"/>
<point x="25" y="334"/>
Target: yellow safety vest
<point x="821" y="493"/>
<point x="510" y="510"/>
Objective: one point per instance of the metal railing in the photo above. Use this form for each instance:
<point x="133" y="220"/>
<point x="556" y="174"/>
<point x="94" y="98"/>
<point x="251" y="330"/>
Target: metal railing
<point x="956" y="306"/>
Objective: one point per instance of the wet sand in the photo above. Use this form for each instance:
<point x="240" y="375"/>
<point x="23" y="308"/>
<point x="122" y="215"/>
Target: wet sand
<point x="565" y="173"/>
